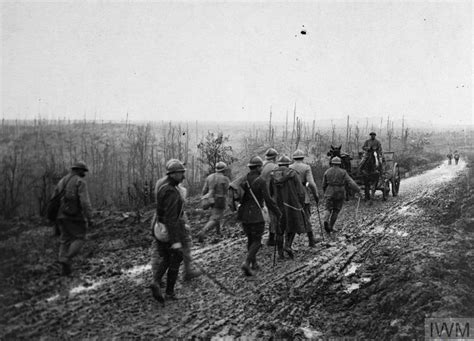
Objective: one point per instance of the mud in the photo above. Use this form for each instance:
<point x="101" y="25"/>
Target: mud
<point x="400" y="261"/>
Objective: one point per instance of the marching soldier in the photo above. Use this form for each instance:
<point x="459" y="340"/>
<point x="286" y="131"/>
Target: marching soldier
<point x="167" y="255"/>
<point x="306" y="178"/>
<point x="456" y="157"/>
<point x="450" y="157"/>
<point x="216" y="185"/>
<point x="289" y="192"/>
<point x="335" y="180"/>
<point x="268" y="167"/>
<point x="255" y="193"/>
<point x="74" y="216"/>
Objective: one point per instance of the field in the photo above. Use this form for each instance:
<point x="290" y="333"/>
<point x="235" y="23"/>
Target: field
<point x="392" y="265"/>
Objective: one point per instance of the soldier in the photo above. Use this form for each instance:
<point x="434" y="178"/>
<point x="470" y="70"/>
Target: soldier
<point x="74" y="216"/>
<point x="289" y="193"/>
<point x="216" y="185"/>
<point x="268" y="166"/>
<point x="371" y="145"/>
<point x="255" y="193"/>
<point x="456" y="157"/>
<point x="450" y="157"/>
<point x="306" y="178"/>
<point x="167" y="255"/>
<point x="335" y="180"/>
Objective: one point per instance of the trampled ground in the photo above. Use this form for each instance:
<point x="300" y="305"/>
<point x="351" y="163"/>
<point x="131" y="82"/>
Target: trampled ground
<point x="393" y="264"/>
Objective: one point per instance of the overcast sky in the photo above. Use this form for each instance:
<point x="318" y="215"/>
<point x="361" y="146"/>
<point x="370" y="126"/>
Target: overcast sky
<point x="234" y="60"/>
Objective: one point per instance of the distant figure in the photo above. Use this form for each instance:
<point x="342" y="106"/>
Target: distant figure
<point x="450" y="157"/>
<point x="255" y="193"/>
<point x="269" y="165"/>
<point x="74" y="216"/>
<point x="369" y="146"/>
<point x="307" y="180"/>
<point x="456" y="157"/>
<point x="289" y="193"/>
<point x="335" y="180"/>
<point x="216" y="185"/>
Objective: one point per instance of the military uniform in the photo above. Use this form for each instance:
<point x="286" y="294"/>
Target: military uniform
<point x="269" y="166"/>
<point x="456" y="157"/>
<point x="450" y="157"/>
<point x="217" y="184"/>
<point x="249" y="213"/>
<point x="74" y="215"/>
<point x="306" y="177"/>
<point x="371" y="145"/>
<point x="289" y="193"/>
<point x="335" y="180"/>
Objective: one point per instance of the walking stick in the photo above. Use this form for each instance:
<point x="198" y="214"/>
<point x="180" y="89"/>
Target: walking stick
<point x="320" y="224"/>
<point x="357" y="209"/>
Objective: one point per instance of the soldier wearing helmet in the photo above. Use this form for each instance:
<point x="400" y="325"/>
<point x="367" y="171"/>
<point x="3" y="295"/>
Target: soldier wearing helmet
<point x="456" y="157"/>
<point x="335" y="180"/>
<point x="216" y="187"/>
<point x="306" y="178"/>
<point x="289" y="192"/>
<point x="168" y="252"/>
<point x="268" y="167"/>
<point x="254" y="194"/>
<point x="371" y="145"/>
<point x="74" y="216"/>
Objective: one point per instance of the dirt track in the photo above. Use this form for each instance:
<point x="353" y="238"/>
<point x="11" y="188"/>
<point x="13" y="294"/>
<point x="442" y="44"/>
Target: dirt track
<point x="402" y="260"/>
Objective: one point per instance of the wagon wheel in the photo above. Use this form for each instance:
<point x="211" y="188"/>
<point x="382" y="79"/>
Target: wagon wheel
<point x="395" y="180"/>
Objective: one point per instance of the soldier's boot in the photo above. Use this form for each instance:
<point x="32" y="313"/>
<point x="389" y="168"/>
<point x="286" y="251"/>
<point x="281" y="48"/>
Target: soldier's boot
<point x="65" y="269"/>
<point x="279" y="244"/>
<point x="271" y="239"/>
<point x="246" y="268"/>
<point x="218" y="228"/>
<point x="156" y="292"/>
<point x="332" y="222"/>
<point x="311" y="240"/>
<point x="170" y="283"/>
<point x="190" y="271"/>
<point x="289" y="237"/>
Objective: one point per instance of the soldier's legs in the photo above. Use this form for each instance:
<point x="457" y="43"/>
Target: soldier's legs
<point x="175" y="259"/>
<point x="289" y="237"/>
<point x="272" y="229"/>
<point x="327" y="213"/>
<point x="337" y="206"/>
<point x="72" y="239"/>
<point x="255" y="235"/>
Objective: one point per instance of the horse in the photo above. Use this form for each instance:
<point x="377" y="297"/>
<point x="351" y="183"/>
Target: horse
<point x="345" y="164"/>
<point x="370" y="172"/>
<point x="345" y="158"/>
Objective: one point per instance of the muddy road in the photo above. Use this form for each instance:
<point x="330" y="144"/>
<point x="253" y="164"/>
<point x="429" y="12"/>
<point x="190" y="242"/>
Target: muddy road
<point x="389" y="267"/>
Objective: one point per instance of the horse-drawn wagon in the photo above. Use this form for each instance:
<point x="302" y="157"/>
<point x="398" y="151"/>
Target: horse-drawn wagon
<point x="374" y="175"/>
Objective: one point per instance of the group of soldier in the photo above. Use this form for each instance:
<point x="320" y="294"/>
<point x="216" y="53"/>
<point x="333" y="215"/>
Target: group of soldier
<point x="454" y="155"/>
<point x="278" y="187"/>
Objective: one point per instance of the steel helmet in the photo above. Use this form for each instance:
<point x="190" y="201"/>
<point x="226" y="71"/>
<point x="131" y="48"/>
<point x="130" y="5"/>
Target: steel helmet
<point x="174" y="166"/>
<point x="284" y="160"/>
<point x="255" y="161"/>
<point x="298" y="154"/>
<point x="220" y="166"/>
<point x="372" y="133"/>
<point x="80" y="165"/>
<point x="336" y="160"/>
<point x="270" y="153"/>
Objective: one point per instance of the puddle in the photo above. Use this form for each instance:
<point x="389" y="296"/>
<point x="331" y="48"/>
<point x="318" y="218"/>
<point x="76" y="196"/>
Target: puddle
<point x="137" y="270"/>
<point x="52" y="298"/>
<point x="82" y="288"/>
<point x="352" y="269"/>
<point x="352" y="287"/>
<point x="365" y="279"/>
